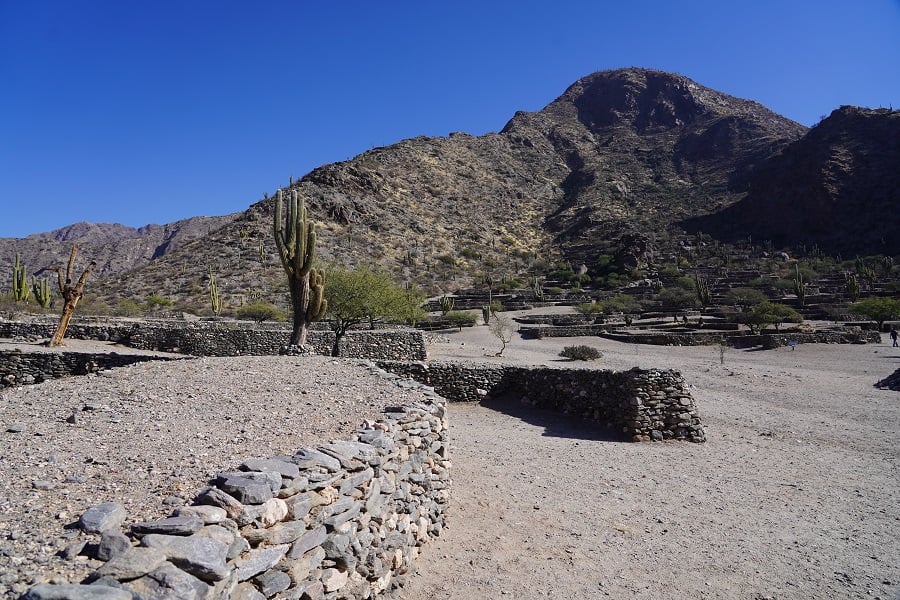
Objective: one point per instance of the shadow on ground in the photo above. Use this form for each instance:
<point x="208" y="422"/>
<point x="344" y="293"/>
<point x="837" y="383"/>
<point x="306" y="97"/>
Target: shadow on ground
<point x="555" y="424"/>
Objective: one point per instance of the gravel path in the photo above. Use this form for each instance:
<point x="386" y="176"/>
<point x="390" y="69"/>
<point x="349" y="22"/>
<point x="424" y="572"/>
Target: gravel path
<point x="150" y="436"/>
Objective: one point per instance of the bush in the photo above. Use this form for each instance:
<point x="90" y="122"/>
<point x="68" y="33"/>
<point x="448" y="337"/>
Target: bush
<point x="461" y="318"/>
<point x="261" y="311"/>
<point x="589" y="308"/>
<point x="580" y="353"/>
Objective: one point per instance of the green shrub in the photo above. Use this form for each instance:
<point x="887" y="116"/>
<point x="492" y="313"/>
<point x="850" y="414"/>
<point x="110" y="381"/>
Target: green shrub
<point x="461" y="318"/>
<point x="589" y="308"/>
<point x="580" y="353"/>
<point x="261" y="311"/>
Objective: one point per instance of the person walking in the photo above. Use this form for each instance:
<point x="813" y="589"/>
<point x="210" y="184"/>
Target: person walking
<point x="894" y="336"/>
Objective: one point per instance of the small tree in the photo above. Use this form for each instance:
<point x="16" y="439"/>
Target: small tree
<point x="363" y="294"/>
<point x="877" y="309"/>
<point x="261" y="311"/>
<point x="745" y="297"/>
<point x="502" y="328"/>
<point x="71" y="294"/>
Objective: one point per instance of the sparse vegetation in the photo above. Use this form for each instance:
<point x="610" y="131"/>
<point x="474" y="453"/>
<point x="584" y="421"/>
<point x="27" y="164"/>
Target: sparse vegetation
<point x="461" y="318"/>
<point x="877" y="309"/>
<point x="261" y="311"/>
<point x="581" y="352"/>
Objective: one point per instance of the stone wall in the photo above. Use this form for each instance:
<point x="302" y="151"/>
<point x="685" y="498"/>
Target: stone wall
<point x="739" y="339"/>
<point x="343" y="520"/>
<point x="23" y="368"/>
<point x="644" y="405"/>
<point x="226" y="338"/>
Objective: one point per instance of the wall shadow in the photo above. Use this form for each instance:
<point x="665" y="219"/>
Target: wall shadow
<point x="555" y="424"/>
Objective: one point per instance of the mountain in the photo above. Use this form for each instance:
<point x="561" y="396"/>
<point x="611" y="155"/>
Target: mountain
<point x="838" y="187"/>
<point x="116" y="248"/>
<point x="623" y="158"/>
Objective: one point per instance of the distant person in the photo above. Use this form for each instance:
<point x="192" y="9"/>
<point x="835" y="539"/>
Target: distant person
<point x="894" y="336"/>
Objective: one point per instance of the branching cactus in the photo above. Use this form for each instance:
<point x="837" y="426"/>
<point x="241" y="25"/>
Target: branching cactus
<point x="70" y="292"/>
<point x="21" y="291"/>
<point x="701" y="286"/>
<point x="799" y="286"/>
<point x="851" y="283"/>
<point x="446" y="304"/>
<point x="295" y="238"/>
<point x="42" y="293"/>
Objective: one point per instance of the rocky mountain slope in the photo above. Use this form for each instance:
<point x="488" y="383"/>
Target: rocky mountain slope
<point x="624" y="154"/>
<point x="838" y="187"/>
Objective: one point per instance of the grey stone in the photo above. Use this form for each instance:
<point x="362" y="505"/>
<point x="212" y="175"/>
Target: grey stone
<point x="246" y="591"/>
<point x="166" y="582"/>
<point x="356" y="480"/>
<point x="200" y="556"/>
<point x="15" y="428"/>
<point x="259" y="560"/>
<point x="246" y="490"/>
<point x="270" y="478"/>
<point x="274" y="465"/>
<point x="272" y="582"/>
<point x="185" y="525"/>
<point x="112" y="543"/>
<point x="210" y="515"/>
<point x="213" y="496"/>
<point x="307" y="458"/>
<point x="103" y="516"/>
<point x="285" y="533"/>
<point x="71" y="550"/>
<point x="309" y="541"/>
<point x="46" y="591"/>
<point x="339" y="519"/>
<point x="133" y="563"/>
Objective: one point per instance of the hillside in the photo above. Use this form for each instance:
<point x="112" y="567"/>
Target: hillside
<point x="628" y="158"/>
<point x="838" y="187"/>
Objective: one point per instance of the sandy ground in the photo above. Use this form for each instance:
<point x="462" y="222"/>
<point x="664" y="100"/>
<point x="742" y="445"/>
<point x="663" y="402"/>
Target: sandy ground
<point x="795" y="495"/>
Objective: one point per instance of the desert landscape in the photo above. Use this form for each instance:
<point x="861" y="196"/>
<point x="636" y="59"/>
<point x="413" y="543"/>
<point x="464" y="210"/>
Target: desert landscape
<point x="793" y="495"/>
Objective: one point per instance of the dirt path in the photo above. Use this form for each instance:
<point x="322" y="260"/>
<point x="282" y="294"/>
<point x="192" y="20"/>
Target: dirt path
<point x="795" y="495"/>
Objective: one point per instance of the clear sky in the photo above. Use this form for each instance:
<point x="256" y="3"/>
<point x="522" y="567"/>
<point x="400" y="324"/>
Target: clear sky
<point x="149" y="111"/>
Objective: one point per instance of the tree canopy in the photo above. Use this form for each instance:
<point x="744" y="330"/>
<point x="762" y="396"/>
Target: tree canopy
<point x="364" y="294"/>
<point x="877" y="309"/>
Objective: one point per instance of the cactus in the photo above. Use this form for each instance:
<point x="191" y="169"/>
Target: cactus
<point x="799" y="285"/>
<point x="486" y="314"/>
<point x="41" y="291"/>
<point x="21" y="291"/>
<point x="295" y="238"/>
<point x="446" y="304"/>
<point x="537" y="289"/>
<point x="701" y="286"/>
<point x="851" y="284"/>
<point x="214" y="298"/>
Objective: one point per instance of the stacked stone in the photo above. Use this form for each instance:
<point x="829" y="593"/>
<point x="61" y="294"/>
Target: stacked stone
<point x="343" y="520"/>
<point x="23" y="368"/>
<point x="644" y="405"/>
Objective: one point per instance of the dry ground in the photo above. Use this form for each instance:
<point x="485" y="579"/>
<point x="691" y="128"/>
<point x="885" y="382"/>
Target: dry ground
<point x="795" y="495"/>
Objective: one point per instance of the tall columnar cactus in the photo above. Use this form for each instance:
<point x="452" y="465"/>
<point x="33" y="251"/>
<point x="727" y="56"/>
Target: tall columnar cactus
<point x="537" y="289"/>
<point x="214" y="299"/>
<point x="445" y="303"/>
<point x="295" y="238"/>
<point x="799" y="286"/>
<point x="42" y="293"/>
<point x="701" y="286"/>
<point x="21" y="291"/>
<point x="851" y="284"/>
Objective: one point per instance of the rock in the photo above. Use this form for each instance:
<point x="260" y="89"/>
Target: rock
<point x="101" y="517"/>
<point x="285" y="533"/>
<point x="112" y="543"/>
<point x="185" y="525"/>
<point x="200" y="556"/>
<point x="272" y="465"/>
<point x="272" y="582"/>
<point x="210" y="515"/>
<point x="307" y="458"/>
<point x="46" y="591"/>
<point x="133" y="563"/>
<point x="273" y="511"/>
<point x="15" y="428"/>
<point x="72" y="550"/>
<point x="169" y="581"/>
<point x="309" y="541"/>
<point x="212" y="496"/>
<point x="333" y="580"/>
<point x="259" y="560"/>
<point x="246" y="591"/>
<point x="246" y="489"/>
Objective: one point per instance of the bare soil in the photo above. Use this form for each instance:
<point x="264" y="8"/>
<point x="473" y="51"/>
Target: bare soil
<point x="795" y="495"/>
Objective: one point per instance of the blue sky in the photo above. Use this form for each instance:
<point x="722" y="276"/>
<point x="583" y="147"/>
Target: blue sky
<point x="147" y="111"/>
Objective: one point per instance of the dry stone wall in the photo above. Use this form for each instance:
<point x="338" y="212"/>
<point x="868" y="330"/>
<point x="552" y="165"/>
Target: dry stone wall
<point x="23" y="368"/>
<point x="643" y="405"/>
<point x="227" y="338"/>
<point x="342" y="520"/>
